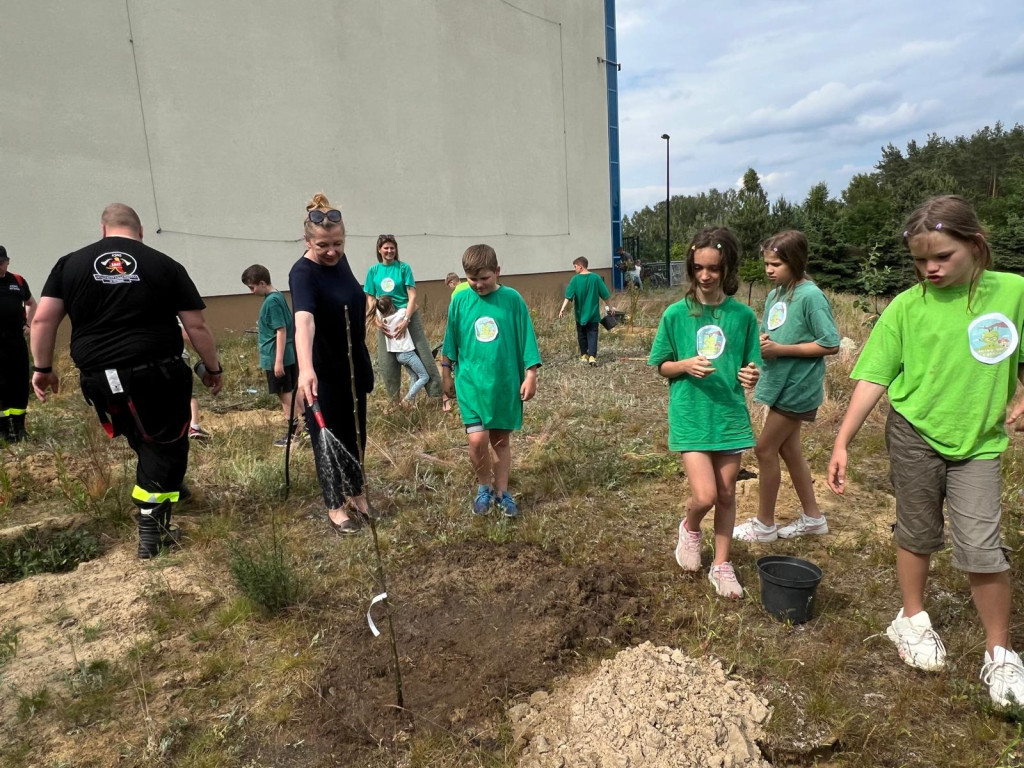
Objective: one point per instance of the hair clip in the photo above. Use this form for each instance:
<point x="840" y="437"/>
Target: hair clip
<point x="906" y="233"/>
<point x="938" y="226"/>
<point x="775" y="250"/>
<point x="718" y="246"/>
<point x="693" y="247"/>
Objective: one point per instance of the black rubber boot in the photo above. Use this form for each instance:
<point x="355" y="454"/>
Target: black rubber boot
<point x="18" y="431"/>
<point x="149" y="532"/>
<point x="170" y="535"/>
<point x="6" y="430"/>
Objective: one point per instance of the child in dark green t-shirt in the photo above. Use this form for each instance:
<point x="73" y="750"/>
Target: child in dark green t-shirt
<point x="585" y="291"/>
<point x="276" y="343"/>
<point x="490" y="337"/>
<point x="707" y="347"/>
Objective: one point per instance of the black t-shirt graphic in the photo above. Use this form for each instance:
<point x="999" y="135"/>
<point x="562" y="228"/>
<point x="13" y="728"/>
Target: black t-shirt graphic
<point x="123" y="298"/>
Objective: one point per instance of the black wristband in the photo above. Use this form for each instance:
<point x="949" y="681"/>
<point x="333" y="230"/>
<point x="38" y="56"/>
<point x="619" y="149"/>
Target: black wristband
<point x="215" y="373"/>
<point x="42" y="369"/>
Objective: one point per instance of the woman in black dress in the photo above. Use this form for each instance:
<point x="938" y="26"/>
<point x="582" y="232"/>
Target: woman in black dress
<point x="330" y="329"/>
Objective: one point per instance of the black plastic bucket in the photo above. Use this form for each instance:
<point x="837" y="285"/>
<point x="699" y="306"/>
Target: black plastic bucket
<point x="787" y="587"/>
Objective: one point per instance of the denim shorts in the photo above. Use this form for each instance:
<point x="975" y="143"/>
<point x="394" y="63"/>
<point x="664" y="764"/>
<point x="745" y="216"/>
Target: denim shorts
<point x="970" y="488"/>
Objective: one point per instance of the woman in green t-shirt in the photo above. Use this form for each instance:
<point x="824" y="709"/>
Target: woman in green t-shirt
<point x="392" y="277"/>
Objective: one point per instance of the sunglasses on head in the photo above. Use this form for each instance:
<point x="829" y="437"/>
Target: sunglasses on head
<point x="318" y="217"/>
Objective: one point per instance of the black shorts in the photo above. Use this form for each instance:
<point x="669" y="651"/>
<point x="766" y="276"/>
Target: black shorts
<point x="286" y="383"/>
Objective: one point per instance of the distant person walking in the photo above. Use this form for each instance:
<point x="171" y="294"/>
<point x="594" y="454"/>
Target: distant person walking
<point x="124" y="299"/>
<point x="585" y="291"/>
<point x="16" y="310"/>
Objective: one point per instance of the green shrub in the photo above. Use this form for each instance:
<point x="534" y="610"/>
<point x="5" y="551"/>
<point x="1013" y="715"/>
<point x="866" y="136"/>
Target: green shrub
<point x="266" y="575"/>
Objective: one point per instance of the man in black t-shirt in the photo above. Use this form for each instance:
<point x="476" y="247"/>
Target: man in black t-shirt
<point x="124" y="298"/>
<point x="16" y="309"/>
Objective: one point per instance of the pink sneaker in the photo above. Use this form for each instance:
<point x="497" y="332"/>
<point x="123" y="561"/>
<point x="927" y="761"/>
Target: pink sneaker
<point x="723" y="577"/>
<point x="688" y="548"/>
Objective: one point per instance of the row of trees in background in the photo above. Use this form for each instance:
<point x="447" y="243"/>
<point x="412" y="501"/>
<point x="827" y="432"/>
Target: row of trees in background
<point x="856" y="241"/>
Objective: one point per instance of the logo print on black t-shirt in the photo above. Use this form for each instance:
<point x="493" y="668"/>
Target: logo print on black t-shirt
<point x="115" y="267"/>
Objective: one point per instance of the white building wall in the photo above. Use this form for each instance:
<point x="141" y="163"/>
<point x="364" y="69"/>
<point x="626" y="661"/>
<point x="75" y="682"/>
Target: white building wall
<point x="444" y="122"/>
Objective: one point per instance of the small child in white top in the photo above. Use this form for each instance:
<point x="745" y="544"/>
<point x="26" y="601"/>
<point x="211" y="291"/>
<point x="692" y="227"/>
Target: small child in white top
<point x="402" y="347"/>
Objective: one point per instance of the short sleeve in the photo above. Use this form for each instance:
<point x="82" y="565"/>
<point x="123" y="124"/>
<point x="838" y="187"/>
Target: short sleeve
<point x="277" y="313"/>
<point x="570" y="289"/>
<point x="602" y="289"/>
<point x="407" y="278"/>
<point x="662" y="349"/>
<point x="54" y="285"/>
<point x="821" y="322"/>
<point x="451" y="334"/>
<point x="301" y="284"/>
<point x="188" y="295"/>
<point x="882" y="357"/>
<point x="752" y="352"/>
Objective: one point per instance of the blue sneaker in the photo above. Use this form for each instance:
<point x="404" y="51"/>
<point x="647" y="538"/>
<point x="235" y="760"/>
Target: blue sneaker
<point x="508" y="505"/>
<point x="483" y="501"/>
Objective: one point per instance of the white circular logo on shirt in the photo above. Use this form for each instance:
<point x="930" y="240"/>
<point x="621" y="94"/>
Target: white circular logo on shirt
<point x="992" y="338"/>
<point x="776" y="315"/>
<point x="710" y="341"/>
<point x="485" y="329"/>
<point x="387" y="285"/>
<point x="114" y="267"/>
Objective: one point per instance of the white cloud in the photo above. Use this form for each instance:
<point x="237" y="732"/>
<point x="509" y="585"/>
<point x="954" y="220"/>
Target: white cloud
<point x="906" y="117"/>
<point x="1010" y="60"/>
<point x="831" y="104"/>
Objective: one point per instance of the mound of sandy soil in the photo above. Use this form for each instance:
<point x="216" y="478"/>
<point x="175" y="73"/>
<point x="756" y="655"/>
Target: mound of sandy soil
<point x="650" y="706"/>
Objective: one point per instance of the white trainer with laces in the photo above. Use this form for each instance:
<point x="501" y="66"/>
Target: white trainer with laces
<point x="1003" y="673"/>
<point x="804" y="526"/>
<point x="918" y="644"/>
<point x="688" y="548"/>
<point x="755" y="531"/>
<point x="723" y="577"/>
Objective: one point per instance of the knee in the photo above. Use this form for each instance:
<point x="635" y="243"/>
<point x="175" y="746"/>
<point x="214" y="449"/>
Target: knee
<point x="765" y="452"/>
<point x="725" y="499"/>
<point x="701" y="502"/>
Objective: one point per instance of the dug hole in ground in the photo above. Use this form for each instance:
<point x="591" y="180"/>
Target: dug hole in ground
<point x="649" y="706"/>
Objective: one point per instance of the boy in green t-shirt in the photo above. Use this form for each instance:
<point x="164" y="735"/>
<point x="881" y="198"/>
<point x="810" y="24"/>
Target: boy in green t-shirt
<point x="490" y="337"/>
<point x="585" y="290"/>
<point x="276" y="343"/>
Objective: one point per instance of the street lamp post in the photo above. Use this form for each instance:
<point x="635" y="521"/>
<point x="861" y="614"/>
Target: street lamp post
<point x="668" y="239"/>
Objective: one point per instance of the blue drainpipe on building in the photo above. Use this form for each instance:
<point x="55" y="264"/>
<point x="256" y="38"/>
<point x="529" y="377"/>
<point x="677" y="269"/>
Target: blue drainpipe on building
<point x="611" y="63"/>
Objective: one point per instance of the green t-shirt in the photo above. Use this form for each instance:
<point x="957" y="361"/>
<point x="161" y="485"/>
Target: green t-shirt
<point x="586" y="292"/>
<point x="394" y="280"/>
<point x="275" y="313"/>
<point x="491" y="338"/>
<point x="708" y="414"/>
<point x="796" y="384"/>
<point x="951" y="371"/>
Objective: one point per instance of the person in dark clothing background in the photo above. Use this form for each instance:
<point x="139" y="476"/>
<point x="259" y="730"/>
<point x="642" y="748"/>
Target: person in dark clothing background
<point x="123" y="298"/>
<point x="16" y="309"/>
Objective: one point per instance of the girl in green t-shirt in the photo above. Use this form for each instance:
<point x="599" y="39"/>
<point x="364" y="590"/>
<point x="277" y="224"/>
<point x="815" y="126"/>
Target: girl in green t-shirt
<point x="707" y="347"/>
<point x="947" y="353"/>
<point x="797" y="332"/>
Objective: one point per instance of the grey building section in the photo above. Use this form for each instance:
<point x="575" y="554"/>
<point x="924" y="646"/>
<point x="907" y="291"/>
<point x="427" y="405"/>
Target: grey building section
<point x="444" y="122"/>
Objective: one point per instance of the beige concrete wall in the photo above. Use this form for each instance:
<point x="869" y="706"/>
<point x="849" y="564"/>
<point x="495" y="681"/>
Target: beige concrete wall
<point x="444" y="122"/>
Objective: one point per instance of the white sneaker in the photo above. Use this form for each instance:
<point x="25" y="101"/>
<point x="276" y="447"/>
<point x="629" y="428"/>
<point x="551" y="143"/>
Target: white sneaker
<point x="1004" y="676"/>
<point x="688" y="548"/>
<point x="804" y="526"/>
<point x="723" y="577"/>
<point x="755" y="531"/>
<point x="916" y="641"/>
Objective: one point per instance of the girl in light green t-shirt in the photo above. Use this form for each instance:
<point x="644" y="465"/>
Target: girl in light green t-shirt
<point x="947" y="353"/>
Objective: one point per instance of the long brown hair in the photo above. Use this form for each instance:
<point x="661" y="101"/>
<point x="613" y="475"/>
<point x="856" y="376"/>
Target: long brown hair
<point x="725" y="241"/>
<point x="790" y="246"/>
<point x="952" y="215"/>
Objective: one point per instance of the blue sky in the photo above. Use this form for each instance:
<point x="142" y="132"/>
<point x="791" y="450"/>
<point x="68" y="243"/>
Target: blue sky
<point x="804" y="91"/>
